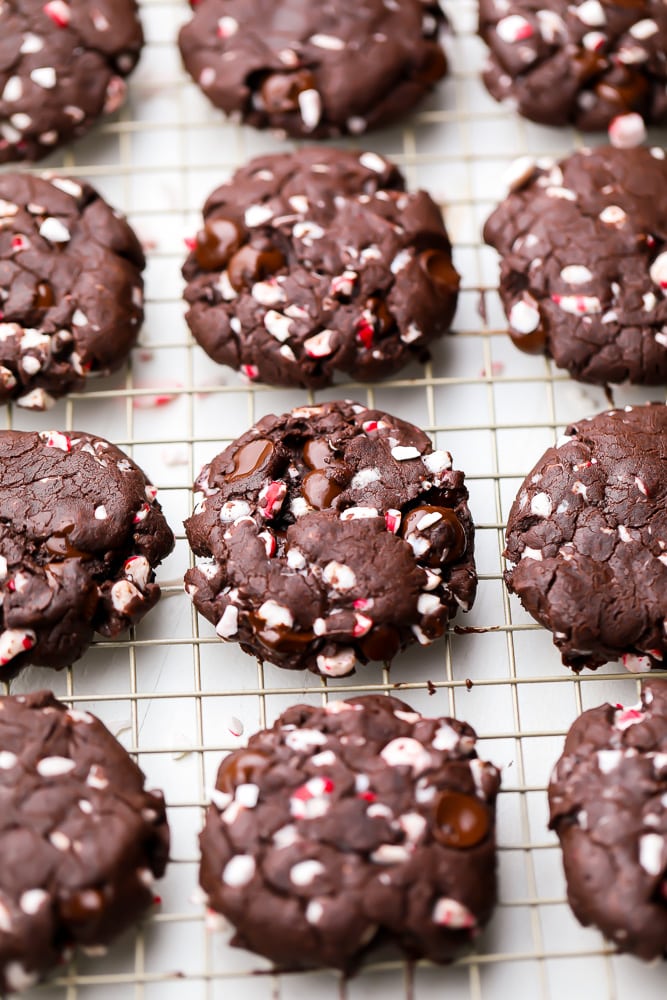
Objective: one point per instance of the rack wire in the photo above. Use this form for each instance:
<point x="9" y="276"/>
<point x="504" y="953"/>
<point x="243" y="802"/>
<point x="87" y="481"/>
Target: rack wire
<point x="179" y="699"/>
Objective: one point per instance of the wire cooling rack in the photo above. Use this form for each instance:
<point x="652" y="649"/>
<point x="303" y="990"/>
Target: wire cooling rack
<point x="179" y="699"/>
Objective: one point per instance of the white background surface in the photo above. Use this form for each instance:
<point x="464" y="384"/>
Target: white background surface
<point x="171" y="691"/>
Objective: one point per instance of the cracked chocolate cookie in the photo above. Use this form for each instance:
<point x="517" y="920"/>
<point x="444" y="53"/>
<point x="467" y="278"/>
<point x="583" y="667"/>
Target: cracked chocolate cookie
<point x="63" y="64"/>
<point x="316" y="262"/>
<point x="582" y="63"/>
<point x="82" y="841"/>
<point x="587" y="540"/>
<point x="349" y="825"/>
<point x="328" y="535"/>
<point x="608" y="805"/>
<point x="71" y="291"/>
<point x="80" y="536"/>
<point x="311" y="68"/>
<point x="583" y="276"/>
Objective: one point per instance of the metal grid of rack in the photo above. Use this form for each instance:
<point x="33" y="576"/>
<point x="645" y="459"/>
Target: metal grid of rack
<point x="178" y="698"/>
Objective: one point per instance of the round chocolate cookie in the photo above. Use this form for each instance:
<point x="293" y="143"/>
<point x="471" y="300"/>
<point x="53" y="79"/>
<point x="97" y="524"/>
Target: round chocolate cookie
<point x="318" y="261"/>
<point x="312" y="68"/>
<point x="587" y="535"/>
<point x="583" y="276"/>
<point x="352" y="824"/>
<point x="608" y="805"/>
<point x="332" y="534"/>
<point x="71" y="291"/>
<point x="62" y="65"/>
<point x="80" y="536"/>
<point x="581" y="62"/>
<point x="81" y="839"/>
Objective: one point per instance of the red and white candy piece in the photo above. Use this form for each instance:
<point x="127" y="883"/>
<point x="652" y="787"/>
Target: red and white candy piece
<point x="658" y="272"/>
<point x="365" y="329"/>
<point x="271" y="498"/>
<point x="310" y="801"/>
<point x="626" y="717"/>
<point x="58" y="11"/>
<point x="514" y="28"/>
<point x="406" y="752"/>
<point x="14" y="641"/>
<point x="319" y="346"/>
<point x="392" y="519"/>
<point x="578" y="305"/>
<point x="141" y="514"/>
<point x="54" y="439"/>
<point x="451" y="913"/>
<point x="627" y="131"/>
<point x="138" y="570"/>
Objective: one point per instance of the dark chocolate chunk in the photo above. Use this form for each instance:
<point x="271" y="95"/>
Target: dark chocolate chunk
<point x="349" y="825"/>
<point x="587" y="537"/>
<point x="80" y="536"/>
<point x="583" y="275"/>
<point x="71" y="291"/>
<point x="582" y="63"/>
<point x="331" y="534"/>
<point x="608" y="805"/>
<point x="63" y="64"/>
<point x="312" y="68"/>
<point x="81" y="839"/>
<point x="315" y="262"/>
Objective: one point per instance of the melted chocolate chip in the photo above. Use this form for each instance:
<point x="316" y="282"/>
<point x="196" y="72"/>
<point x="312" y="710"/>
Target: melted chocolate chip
<point x="461" y="820"/>
<point x="446" y="534"/>
<point x="217" y="242"/>
<point x="319" y="490"/>
<point x="240" y="768"/>
<point x="251" y="264"/>
<point x="44" y="297"/>
<point x="438" y="266"/>
<point x="280" y="639"/>
<point x="81" y="906"/>
<point x="383" y="319"/>
<point x="382" y="643"/>
<point x="530" y="343"/>
<point x="316" y="452"/>
<point x="58" y="544"/>
<point x="251" y="458"/>
<point x="280" y="91"/>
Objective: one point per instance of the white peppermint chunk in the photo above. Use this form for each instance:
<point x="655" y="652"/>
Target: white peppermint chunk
<point x="54" y="230"/>
<point x="437" y="461"/>
<point x="406" y="752"/>
<point x="339" y="576"/>
<point x="338" y="664"/>
<point x="229" y="622"/>
<point x="403" y="453"/>
<point x="305" y="872"/>
<point x="54" y="767"/>
<point x="239" y="871"/>
<point x="327" y="42"/>
<point x="278" y="326"/>
<point x="541" y="505"/>
<point x="591" y="13"/>
<point x="276" y="615"/>
<point x="524" y="316"/>
<point x="652" y="853"/>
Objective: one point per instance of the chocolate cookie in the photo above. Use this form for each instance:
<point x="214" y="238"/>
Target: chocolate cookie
<point x="588" y="536"/>
<point x="81" y="839"/>
<point x="312" y="68"/>
<point x="351" y="824"/>
<point x="71" y="292"/>
<point x="331" y="534"/>
<point x="62" y="65"/>
<point x="581" y="62"/>
<point x="583" y="276"/>
<point x="318" y="261"/>
<point x="80" y="536"/>
<point x="608" y="800"/>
